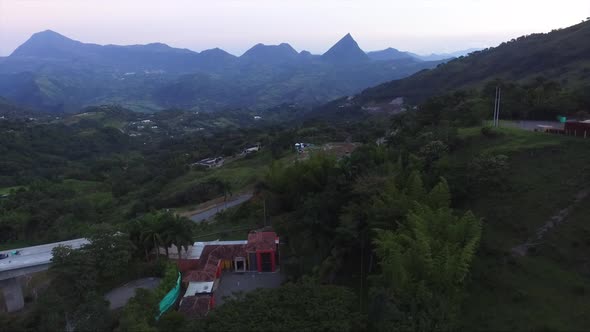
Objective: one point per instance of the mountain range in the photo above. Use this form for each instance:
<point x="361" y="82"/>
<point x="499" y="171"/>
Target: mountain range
<point x="394" y="54"/>
<point x="562" y="55"/>
<point x="54" y="73"/>
<point x="558" y="59"/>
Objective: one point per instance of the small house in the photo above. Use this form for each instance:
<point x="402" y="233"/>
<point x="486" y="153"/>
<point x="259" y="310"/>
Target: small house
<point x="210" y="162"/>
<point x="206" y="261"/>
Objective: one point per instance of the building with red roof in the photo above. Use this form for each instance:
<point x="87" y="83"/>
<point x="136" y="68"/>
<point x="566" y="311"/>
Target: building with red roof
<point x="206" y="261"/>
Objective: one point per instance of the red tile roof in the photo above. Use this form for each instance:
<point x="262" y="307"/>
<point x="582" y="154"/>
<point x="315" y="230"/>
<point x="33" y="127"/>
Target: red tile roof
<point x="195" y="306"/>
<point x="207" y="267"/>
<point x="261" y="241"/>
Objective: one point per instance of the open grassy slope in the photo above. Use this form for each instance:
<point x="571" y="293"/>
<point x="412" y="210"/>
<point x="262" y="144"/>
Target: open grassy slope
<point x="548" y="289"/>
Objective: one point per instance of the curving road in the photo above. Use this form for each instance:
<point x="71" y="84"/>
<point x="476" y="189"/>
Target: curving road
<point x="119" y="296"/>
<point x="212" y="211"/>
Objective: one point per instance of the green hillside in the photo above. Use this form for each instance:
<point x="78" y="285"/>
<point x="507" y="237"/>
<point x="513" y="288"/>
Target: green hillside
<point x="561" y="55"/>
<point x="548" y="288"/>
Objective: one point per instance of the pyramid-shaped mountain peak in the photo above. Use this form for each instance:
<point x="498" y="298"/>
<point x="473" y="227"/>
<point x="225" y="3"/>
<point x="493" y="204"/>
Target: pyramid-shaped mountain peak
<point x="346" y="50"/>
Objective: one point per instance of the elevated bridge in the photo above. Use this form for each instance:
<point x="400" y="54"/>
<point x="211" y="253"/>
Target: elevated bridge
<point x="25" y="261"/>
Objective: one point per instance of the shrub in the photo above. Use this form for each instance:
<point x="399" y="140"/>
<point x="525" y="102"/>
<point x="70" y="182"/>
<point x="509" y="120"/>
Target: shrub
<point x="490" y="132"/>
<point x="488" y="172"/>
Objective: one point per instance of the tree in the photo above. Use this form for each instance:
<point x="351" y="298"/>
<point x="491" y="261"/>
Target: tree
<point x="415" y="187"/>
<point x="111" y="252"/>
<point x="92" y="315"/>
<point x="139" y="314"/>
<point x="151" y="237"/>
<point x="423" y="267"/>
<point x="177" y="231"/>
<point x="439" y="197"/>
<point x="302" y="306"/>
<point x="432" y="152"/>
<point x="80" y="277"/>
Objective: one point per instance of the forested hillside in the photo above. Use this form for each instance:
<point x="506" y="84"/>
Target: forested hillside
<point x="561" y="56"/>
<point x="387" y="234"/>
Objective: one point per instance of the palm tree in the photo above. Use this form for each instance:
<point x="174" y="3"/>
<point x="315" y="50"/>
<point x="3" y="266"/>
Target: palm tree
<point x="174" y="230"/>
<point x="134" y="229"/>
<point x="168" y="230"/>
<point x="151" y="236"/>
<point x="179" y="232"/>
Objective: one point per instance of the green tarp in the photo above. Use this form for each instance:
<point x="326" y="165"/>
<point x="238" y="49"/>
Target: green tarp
<point x="170" y="298"/>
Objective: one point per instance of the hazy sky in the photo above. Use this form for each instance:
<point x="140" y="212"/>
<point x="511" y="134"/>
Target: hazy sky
<point x="421" y="26"/>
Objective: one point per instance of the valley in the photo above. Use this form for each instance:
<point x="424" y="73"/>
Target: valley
<point x="282" y="190"/>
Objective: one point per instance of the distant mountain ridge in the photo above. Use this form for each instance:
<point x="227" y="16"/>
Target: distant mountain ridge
<point x="443" y="56"/>
<point x="561" y="55"/>
<point x="55" y="73"/>
<point x="274" y="54"/>
<point x="390" y="54"/>
<point x="393" y="54"/>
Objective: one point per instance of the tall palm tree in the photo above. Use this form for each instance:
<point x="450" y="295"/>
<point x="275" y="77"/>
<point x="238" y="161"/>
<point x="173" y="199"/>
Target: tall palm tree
<point x="180" y="233"/>
<point x="151" y="236"/>
<point x="168" y="230"/>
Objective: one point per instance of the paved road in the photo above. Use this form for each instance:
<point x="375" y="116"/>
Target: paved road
<point x="36" y="255"/>
<point x="119" y="297"/>
<point x="245" y="282"/>
<point x="532" y="125"/>
<point x="209" y="213"/>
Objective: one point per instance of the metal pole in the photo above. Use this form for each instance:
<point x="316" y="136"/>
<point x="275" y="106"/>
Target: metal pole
<point x="362" y="256"/>
<point x="499" y="101"/>
<point x="495" y="108"/>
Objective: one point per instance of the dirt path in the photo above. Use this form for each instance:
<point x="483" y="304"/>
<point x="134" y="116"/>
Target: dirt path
<point x="555" y="220"/>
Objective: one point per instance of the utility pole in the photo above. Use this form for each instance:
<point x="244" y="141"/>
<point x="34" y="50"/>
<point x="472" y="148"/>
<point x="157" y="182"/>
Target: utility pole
<point x="264" y="205"/>
<point x="362" y="267"/>
<point x="498" y="112"/>
<point x="495" y="108"/>
<point x="496" y="121"/>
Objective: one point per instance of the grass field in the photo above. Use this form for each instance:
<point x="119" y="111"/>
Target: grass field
<point x="550" y="288"/>
<point x="240" y="174"/>
<point x="232" y="224"/>
<point x="7" y="190"/>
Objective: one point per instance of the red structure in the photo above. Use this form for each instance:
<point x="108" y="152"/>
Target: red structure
<point x="264" y="246"/>
<point x="577" y="128"/>
<point x="207" y="260"/>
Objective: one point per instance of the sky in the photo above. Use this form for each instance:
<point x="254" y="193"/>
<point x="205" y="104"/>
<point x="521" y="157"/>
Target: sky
<point x="420" y="26"/>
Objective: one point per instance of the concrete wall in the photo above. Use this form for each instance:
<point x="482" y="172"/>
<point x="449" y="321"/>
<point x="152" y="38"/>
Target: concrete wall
<point x="13" y="294"/>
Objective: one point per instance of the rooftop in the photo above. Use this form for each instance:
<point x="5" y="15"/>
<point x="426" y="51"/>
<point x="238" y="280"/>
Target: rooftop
<point x="195" y="288"/>
<point x="195" y="306"/>
<point x="261" y="241"/>
<point x="207" y="268"/>
<point x="209" y="254"/>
